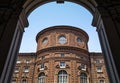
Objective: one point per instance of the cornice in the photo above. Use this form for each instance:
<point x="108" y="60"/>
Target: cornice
<point x="26" y="54"/>
<point x="62" y="59"/>
<point x="62" y="49"/>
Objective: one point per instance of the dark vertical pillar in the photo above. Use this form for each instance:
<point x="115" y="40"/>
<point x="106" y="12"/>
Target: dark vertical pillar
<point x="10" y="38"/>
<point x="109" y="36"/>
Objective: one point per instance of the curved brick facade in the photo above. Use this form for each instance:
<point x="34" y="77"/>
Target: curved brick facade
<point x="71" y="34"/>
<point x="62" y="48"/>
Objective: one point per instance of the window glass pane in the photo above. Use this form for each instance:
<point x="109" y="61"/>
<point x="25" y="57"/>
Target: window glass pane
<point x="41" y="78"/>
<point x="41" y="65"/>
<point x="101" y="81"/>
<point x="27" y="61"/>
<point x="13" y="81"/>
<point x="83" y="78"/>
<point x="24" y="81"/>
<point x="62" y="40"/>
<point x="26" y="69"/>
<point x="62" y="65"/>
<point x="79" y="40"/>
<point x="82" y="66"/>
<point x="45" y="40"/>
<point x="99" y="69"/>
<point x="62" y="55"/>
<point x="62" y="77"/>
<point x="97" y="61"/>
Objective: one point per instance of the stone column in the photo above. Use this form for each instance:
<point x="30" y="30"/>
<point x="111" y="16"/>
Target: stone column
<point x="12" y="25"/>
<point x="109" y="35"/>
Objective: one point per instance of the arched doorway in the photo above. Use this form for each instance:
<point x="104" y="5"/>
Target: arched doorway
<point x="106" y="19"/>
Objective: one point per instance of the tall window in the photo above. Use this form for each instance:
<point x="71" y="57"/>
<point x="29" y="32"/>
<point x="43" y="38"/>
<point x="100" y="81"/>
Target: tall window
<point x="62" y="77"/>
<point x="41" y="78"/>
<point x="83" y="78"/>
<point x="14" y="81"/>
<point x="24" y="81"/>
<point x="102" y="81"/>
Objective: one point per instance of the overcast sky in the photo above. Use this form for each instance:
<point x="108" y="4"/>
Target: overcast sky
<point x="52" y="14"/>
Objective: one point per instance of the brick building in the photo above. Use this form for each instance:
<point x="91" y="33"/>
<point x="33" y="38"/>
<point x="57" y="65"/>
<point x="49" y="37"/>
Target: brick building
<point x="62" y="56"/>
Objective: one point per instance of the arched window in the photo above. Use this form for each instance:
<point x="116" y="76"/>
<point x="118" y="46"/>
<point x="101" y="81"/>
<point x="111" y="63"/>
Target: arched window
<point x="24" y="81"/>
<point x="62" y="77"/>
<point x="79" y="40"/>
<point x="45" y="40"/>
<point x="83" y="78"/>
<point x="41" y="78"/>
<point x="102" y="81"/>
<point x="62" y="39"/>
<point x="14" y="81"/>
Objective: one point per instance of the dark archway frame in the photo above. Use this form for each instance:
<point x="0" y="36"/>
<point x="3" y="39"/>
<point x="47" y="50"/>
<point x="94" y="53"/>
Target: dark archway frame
<point x="14" y="13"/>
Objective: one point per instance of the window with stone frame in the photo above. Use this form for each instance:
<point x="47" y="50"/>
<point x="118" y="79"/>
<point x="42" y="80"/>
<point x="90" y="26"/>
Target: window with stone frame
<point x="83" y="78"/>
<point x="99" y="69"/>
<point x="24" y="81"/>
<point x="27" y="60"/>
<point x="13" y="81"/>
<point x="41" y="78"/>
<point x="62" y="64"/>
<point x="62" y="76"/>
<point x="16" y="69"/>
<point x="42" y="66"/>
<point x="18" y="60"/>
<point x="26" y="69"/>
<point x="102" y="81"/>
<point x="62" y="55"/>
<point x="62" y="39"/>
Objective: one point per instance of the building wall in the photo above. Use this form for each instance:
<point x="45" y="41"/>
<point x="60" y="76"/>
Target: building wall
<point x="25" y="60"/>
<point x="71" y="51"/>
<point x="53" y="34"/>
<point x="97" y="61"/>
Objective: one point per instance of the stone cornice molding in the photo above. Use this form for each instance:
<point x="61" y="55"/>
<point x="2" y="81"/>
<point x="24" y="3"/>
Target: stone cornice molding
<point x="58" y="59"/>
<point x="62" y="49"/>
<point x="27" y="54"/>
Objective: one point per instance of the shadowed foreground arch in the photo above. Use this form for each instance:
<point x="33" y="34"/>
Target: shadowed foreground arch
<point x="13" y="19"/>
<point x="30" y="5"/>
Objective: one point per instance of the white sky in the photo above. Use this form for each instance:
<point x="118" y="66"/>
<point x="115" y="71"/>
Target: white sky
<point x="52" y="14"/>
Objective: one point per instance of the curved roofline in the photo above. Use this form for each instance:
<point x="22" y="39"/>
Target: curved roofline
<point x="59" y="27"/>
